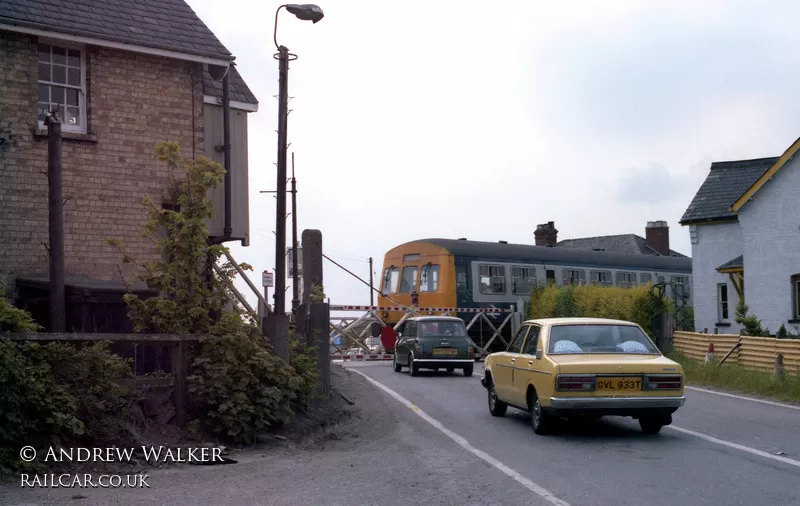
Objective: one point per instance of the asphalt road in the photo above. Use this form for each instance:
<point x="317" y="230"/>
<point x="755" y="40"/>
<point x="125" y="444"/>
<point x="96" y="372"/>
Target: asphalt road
<point x="719" y="451"/>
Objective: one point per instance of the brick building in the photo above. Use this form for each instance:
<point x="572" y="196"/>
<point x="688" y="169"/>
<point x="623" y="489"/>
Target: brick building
<point x="125" y="76"/>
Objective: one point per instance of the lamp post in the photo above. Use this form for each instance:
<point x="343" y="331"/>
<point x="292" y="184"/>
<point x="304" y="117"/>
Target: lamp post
<point x="305" y="12"/>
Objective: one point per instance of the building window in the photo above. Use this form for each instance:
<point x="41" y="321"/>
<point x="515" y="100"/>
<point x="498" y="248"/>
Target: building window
<point x="722" y="302"/>
<point x="626" y="279"/>
<point x="390" y="277"/>
<point x="681" y="287"/>
<point x="492" y="279"/>
<point x="62" y="83"/>
<point x="645" y="278"/>
<point x="573" y="277"/>
<point x="796" y="296"/>
<point x="408" y="281"/>
<point x="429" y="279"/>
<point x="601" y="278"/>
<point x="523" y="280"/>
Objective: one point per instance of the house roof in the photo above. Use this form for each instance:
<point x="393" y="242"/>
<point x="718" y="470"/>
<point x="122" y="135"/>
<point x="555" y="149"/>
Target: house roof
<point x="629" y="244"/>
<point x="725" y="183"/>
<point x="736" y="263"/>
<point x="160" y="24"/>
<point x="542" y="254"/>
<point x="785" y="157"/>
<point x="238" y="90"/>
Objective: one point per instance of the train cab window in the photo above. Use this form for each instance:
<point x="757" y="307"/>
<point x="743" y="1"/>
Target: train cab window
<point x="523" y="280"/>
<point x="574" y="277"/>
<point x="601" y="278"/>
<point x="390" y="277"/>
<point x="408" y="281"/>
<point x="492" y="279"/>
<point x="429" y="278"/>
<point x="645" y="278"/>
<point x="626" y="279"/>
<point x="461" y="278"/>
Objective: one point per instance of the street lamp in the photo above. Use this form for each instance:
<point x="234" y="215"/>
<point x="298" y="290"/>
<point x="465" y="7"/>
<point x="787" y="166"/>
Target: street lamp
<point x="305" y="12"/>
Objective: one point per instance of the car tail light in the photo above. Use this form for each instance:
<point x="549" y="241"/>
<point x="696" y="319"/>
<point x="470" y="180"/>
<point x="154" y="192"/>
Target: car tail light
<point x="663" y="382"/>
<point x="470" y="352"/>
<point x="575" y="383"/>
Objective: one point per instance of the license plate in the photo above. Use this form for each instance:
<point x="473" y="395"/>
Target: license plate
<point x="621" y="384"/>
<point x="445" y="351"/>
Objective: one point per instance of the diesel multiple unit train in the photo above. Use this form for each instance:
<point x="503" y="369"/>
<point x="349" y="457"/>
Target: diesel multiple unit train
<point x="457" y="273"/>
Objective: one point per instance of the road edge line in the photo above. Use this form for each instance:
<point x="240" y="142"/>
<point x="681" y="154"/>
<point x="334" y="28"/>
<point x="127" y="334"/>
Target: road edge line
<point x="525" y="482"/>
<point x="742" y="397"/>
<point x="736" y="446"/>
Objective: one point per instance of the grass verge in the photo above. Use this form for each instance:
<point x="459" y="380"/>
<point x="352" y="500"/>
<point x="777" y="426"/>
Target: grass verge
<point x="735" y="378"/>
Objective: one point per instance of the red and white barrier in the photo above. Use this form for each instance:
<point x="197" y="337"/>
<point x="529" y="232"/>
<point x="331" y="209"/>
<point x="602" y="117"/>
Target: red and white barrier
<point x="422" y="309"/>
<point x="362" y="357"/>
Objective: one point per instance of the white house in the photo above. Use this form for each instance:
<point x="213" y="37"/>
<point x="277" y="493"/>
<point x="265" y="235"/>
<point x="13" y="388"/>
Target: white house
<point x="744" y="224"/>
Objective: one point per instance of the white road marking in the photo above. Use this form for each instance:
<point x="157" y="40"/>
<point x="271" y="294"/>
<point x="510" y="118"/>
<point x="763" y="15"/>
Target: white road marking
<point x="533" y="487"/>
<point x="736" y="446"/>
<point x="744" y="398"/>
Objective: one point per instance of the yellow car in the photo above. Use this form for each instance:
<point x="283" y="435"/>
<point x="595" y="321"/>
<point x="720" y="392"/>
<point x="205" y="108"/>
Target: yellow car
<point x="562" y="367"/>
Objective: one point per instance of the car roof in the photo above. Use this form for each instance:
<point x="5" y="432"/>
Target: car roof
<point x="435" y="319"/>
<point x="575" y="320"/>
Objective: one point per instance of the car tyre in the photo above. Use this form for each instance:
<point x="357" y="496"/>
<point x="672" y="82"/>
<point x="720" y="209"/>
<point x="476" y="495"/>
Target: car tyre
<point x="413" y="368"/>
<point x="397" y="367"/>
<point x="653" y="424"/>
<point x="540" y="419"/>
<point x="496" y="406"/>
<point x="468" y="371"/>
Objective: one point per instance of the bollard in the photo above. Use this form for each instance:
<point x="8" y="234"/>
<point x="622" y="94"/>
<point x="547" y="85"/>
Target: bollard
<point x="779" y="373"/>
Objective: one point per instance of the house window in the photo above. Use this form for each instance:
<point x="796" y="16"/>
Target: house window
<point x="522" y="280"/>
<point x="601" y="278"/>
<point x="796" y="296"/>
<point x="390" y="278"/>
<point x="681" y="287"/>
<point x="645" y="278"/>
<point x="408" y="281"/>
<point x="722" y="302"/>
<point x="492" y="279"/>
<point x="573" y="277"/>
<point x="626" y="279"/>
<point x="62" y="83"/>
<point x="429" y="279"/>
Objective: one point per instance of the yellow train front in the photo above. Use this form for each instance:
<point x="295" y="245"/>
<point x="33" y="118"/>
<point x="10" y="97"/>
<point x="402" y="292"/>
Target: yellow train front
<point x="489" y="276"/>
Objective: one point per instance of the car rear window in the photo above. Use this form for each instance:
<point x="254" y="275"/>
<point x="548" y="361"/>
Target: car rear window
<point x="599" y="338"/>
<point x="439" y="329"/>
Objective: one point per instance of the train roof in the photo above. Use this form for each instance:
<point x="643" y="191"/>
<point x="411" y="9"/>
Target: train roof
<point x="533" y="254"/>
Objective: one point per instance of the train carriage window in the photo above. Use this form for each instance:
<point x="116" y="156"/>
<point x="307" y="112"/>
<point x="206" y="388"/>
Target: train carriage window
<point x="601" y="278"/>
<point x="492" y="279"/>
<point x="626" y="279"/>
<point x="645" y="278"/>
<point x="680" y="287"/>
<point x="408" y="281"/>
<point x="574" y="276"/>
<point x="429" y="278"/>
<point x="390" y="277"/>
<point x="461" y="278"/>
<point x="523" y="280"/>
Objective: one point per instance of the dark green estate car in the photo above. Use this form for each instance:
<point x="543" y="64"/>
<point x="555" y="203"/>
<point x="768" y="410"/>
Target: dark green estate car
<point x="434" y="342"/>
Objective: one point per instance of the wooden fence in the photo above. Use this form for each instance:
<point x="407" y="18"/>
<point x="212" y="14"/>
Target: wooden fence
<point x="753" y="352"/>
<point x="179" y="363"/>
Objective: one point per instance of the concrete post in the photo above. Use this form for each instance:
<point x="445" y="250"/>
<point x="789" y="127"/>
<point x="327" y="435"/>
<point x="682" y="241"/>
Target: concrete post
<point x="312" y="262"/>
<point x="779" y="373"/>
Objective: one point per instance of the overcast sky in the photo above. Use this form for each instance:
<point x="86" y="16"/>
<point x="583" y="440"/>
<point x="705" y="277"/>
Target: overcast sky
<point x="415" y="119"/>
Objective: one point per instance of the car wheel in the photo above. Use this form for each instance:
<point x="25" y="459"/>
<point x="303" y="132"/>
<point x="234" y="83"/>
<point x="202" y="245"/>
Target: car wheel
<point x="468" y="371"/>
<point x="413" y="368"/>
<point x="539" y="418"/>
<point x="397" y="367"/>
<point x="451" y="369"/>
<point x="496" y="406"/>
<point x="653" y="424"/>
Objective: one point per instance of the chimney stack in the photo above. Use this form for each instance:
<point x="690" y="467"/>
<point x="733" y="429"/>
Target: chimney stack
<point x="546" y="234"/>
<point x="657" y="236"/>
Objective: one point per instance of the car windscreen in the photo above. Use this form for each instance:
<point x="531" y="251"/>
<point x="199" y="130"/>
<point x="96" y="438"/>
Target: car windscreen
<point x="442" y="329"/>
<point x="599" y="338"/>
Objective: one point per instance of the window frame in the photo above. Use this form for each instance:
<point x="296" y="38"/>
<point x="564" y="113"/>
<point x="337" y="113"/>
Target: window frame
<point x="685" y="286"/>
<point x="597" y="272"/>
<point x="626" y="284"/>
<point x="523" y="333"/>
<point x="645" y="278"/>
<point x="386" y="277"/>
<point x="581" y="277"/>
<point x="795" y="280"/>
<point x="721" y="316"/>
<point x="531" y="280"/>
<point x="415" y="286"/>
<point x="83" y="94"/>
<point x="480" y="276"/>
<point x="423" y="273"/>
<point x="533" y="336"/>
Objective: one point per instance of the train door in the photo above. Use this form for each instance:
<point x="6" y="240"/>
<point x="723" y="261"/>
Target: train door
<point x="463" y="292"/>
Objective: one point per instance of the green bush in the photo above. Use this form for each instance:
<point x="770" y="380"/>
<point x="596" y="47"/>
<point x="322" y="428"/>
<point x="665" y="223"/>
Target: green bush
<point x="635" y="304"/>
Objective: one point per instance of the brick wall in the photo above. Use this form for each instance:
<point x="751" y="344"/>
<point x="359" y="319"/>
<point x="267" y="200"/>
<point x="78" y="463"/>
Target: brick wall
<point x="135" y="101"/>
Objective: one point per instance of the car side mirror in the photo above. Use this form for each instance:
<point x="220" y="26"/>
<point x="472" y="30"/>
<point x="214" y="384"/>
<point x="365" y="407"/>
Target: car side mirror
<point x="538" y="354"/>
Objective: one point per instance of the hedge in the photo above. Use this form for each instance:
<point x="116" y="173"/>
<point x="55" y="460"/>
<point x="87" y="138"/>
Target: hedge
<point x="634" y="304"/>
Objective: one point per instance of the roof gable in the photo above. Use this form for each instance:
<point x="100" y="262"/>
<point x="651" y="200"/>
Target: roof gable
<point x="766" y="176"/>
<point x="725" y="183"/>
<point x="238" y="90"/>
<point x="159" y="24"/>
